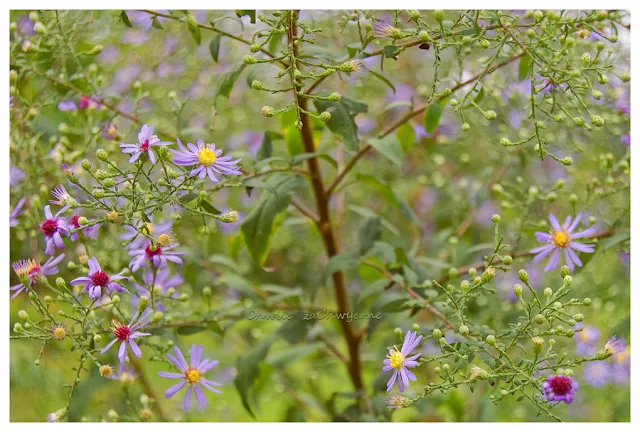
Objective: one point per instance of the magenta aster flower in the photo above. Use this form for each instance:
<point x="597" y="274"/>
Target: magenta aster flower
<point x="97" y="280"/>
<point x="562" y="238"/>
<point x="128" y="333"/>
<point x="154" y="254"/>
<point x="17" y="211"/>
<point x="53" y="228"/>
<point x="89" y="231"/>
<point x="30" y="271"/>
<point x="207" y="159"/>
<point x="398" y="361"/>
<point x="191" y="374"/>
<point x="560" y="388"/>
<point x="85" y="102"/>
<point x="146" y="140"/>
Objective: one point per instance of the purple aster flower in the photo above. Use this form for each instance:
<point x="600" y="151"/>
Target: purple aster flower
<point x="17" y="211"/>
<point x="621" y="367"/>
<point x="30" y="271"/>
<point x="125" y="374"/>
<point x="85" y="102"/>
<point x="597" y="373"/>
<point x="146" y="140"/>
<point x="626" y="139"/>
<point x="110" y="131"/>
<point x="586" y="340"/>
<point x="24" y="26"/>
<point x="62" y="197"/>
<point x="561" y="238"/>
<point x="91" y="231"/>
<point x="191" y="374"/>
<point x="128" y="333"/>
<point x="15" y="175"/>
<point x="155" y="254"/>
<point x="384" y="30"/>
<point x="614" y="346"/>
<point x="208" y="159"/>
<point x="163" y="281"/>
<point x="53" y="228"/>
<point x="560" y="388"/>
<point x="97" y="279"/>
<point x="398" y="361"/>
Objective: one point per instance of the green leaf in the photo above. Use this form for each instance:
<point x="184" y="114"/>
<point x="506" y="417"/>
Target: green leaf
<point x="258" y="227"/>
<point x="370" y="232"/>
<point x="125" y="19"/>
<point x="432" y="117"/>
<point x="524" y="67"/>
<point x="248" y="366"/>
<point x="266" y="148"/>
<point x="381" y="78"/>
<point x="214" y="47"/>
<point x="407" y="136"/>
<point x="299" y="158"/>
<point x="390" y="147"/>
<point x="614" y="240"/>
<point x="391" y="301"/>
<point x="188" y="197"/>
<point x="250" y="13"/>
<point x="342" y="122"/>
<point x="206" y="206"/>
<point x="156" y="24"/>
<point x="390" y="51"/>
<point x="479" y="96"/>
<point x="340" y="262"/>
<point x="294" y="330"/>
<point x="195" y="32"/>
<point x="228" y="79"/>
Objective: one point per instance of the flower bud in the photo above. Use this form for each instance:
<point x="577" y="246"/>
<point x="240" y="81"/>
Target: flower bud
<point x="267" y="111"/>
<point x="325" y="116"/>
<point x="585" y="59"/>
<point x="249" y="60"/>
<point x="83" y="220"/>
<point x="102" y="155"/>
<point x="97" y="338"/>
<point x="597" y="121"/>
<point x="484" y="43"/>
<point x="548" y="292"/>
<point x="488" y="274"/>
<point x="184" y="297"/>
<point x="476" y="373"/>
<point x="112" y="414"/>
<point x="463" y="330"/>
<point x="495" y="218"/>
<point x="334" y="97"/>
<point x="398" y="332"/>
<point x="39" y="28"/>
<point x="144" y="302"/>
<point x="568" y="280"/>
<point x="557" y="305"/>
<point x="464" y="286"/>
<point x="415" y="327"/>
<point x="438" y="15"/>
<point x="254" y="48"/>
<point x="506" y="142"/>
<point x="60" y="283"/>
<point x="538" y="343"/>
<point x="523" y="275"/>
<point x="466" y="127"/>
<point x="423" y="35"/>
<point x="157" y="317"/>
<point x="491" y="340"/>
<point x="23" y="315"/>
<point x="256" y="85"/>
<point x="570" y="332"/>
<point x="579" y="121"/>
<point x="490" y="115"/>
<point x="539" y="319"/>
<point x="517" y="290"/>
<point x="229" y="217"/>
<point x="17" y="328"/>
<point x="473" y="272"/>
<point x="437" y="333"/>
<point x="86" y="165"/>
<point x="507" y="259"/>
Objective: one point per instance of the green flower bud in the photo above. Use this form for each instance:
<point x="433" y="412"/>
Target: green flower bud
<point x="97" y="338"/>
<point x="83" y="220"/>
<point x="254" y="48"/>
<point x="423" y="35"/>
<point x="39" y="28"/>
<point x="567" y="161"/>
<point x="586" y="302"/>
<point x="398" y="332"/>
<point x="102" y="155"/>
<point x="438" y="15"/>
<point x="625" y="77"/>
<point x="507" y="259"/>
<point x="495" y="218"/>
<point x="437" y="333"/>
<point x="539" y="319"/>
<point x="60" y="283"/>
<point x="157" y="317"/>
<point x="86" y="165"/>
<point x="568" y="280"/>
<point x="491" y="340"/>
<point x="443" y="341"/>
<point x="115" y="299"/>
<point x="517" y="290"/>
<point x="415" y="327"/>
<point x="484" y="43"/>
<point x="565" y="271"/>
<point x="17" y="328"/>
<point x="249" y="60"/>
<point x="256" y="85"/>
<point x="325" y="116"/>
<point x="229" y="217"/>
<point x="579" y="121"/>
<point x="23" y="315"/>
<point x="464" y="286"/>
<point x="207" y="292"/>
<point x="466" y="127"/>
<point x="267" y="111"/>
<point x="585" y="59"/>
<point x="334" y="97"/>
<point x="570" y="332"/>
<point x="463" y="330"/>
<point x="488" y="274"/>
<point x="597" y="121"/>
<point x="548" y="292"/>
<point x="597" y="94"/>
<point x="523" y="275"/>
<point x="557" y="305"/>
<point x="473" y="272"/>
<point x="490" y="115"/>
<point x="184" y="297"/>
<point x="505" y="142"/>
<point x="143" y="303"/>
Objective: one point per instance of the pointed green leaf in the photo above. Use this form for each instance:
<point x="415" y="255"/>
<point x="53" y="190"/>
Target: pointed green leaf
<point x="390" y="148"/>
<point x="228" y="79"/>
<point x="432" y="116"/>
<point x="214" y="47"/>
<point x="342" y="122"/>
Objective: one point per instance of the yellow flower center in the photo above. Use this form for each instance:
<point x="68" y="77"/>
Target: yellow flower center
<point x="59" y="333"/>
<point x="126" y="377"/>
<point x="164" y="240"/>
<point x="206" y="157"/>
<point x="396" y="360"/>
<point x="192" y="376"/>
<point x="561" y="239"/>
<point x="106" y="371"/>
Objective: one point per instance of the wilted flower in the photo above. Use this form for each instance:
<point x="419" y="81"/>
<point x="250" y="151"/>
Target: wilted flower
<point x="560" y="388"/>
<point x="207" y="158"/>
<point x="191" y="374"/>
<point x="146" y="140"/>
<point x="56" y="416"/>
<point x="396" y="401"/>
<point x="125" y="375"/>
<point x="62" y="197"/>
<point x="59" y="331"/>
<point x="561" y="238"/>
<point x="128" y="333"/>
<point x="97" y="279"/>
<point x="17" y="211"/>
<point x="612" y="347"/>
<point x="29" y="271"/>
<point x="53" y="228"/>
<point x="398" y="361"/>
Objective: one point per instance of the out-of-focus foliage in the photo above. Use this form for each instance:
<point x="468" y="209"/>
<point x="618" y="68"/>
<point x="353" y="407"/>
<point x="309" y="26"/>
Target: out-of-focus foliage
<point x="376" y="147"/>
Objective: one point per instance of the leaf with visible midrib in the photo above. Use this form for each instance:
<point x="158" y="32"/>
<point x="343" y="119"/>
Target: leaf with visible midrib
<point x="342" y="122"/>
<point x="228" y="80"/>
<point x="258" y="227"/>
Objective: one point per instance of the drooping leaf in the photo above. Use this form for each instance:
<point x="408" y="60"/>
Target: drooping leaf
<point x="342" y="122"/>
<point x="214" y="47"/>
<point x="523" y="67"/>
<point x="228" y="79"/>
<point x="407" y="136"/>
<point x="156" y="24"/>
<point x="248" y="366"/>
<point x="390" y="148"/>
<point x="266" y="147"/>
<point x="208" y="207"/>
<point x="258" y="227"/>
<point x="370" y="231"/>
<point x="125" y="19"/>
<point x="432" y="116"/>
<point x="248" y="12"/>
<point x="382" y="78"/>
<point x="340" y="262"/>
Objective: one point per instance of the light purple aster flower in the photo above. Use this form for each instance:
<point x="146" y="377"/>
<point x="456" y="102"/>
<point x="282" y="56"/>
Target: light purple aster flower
<point x="25" y="27"/>
<point x="163" y="281"/>
<point x="146" y="140"/>
<point x="157" y="256"/>
<point x="398" y="361"/>
<point x="621" y="367"/>
<point x="597" y="373"/>
<point x="561" y="238"/>
<point x="85" y="102"/>
<point x="17" y="211"/>
<point x="110" y="131"/>
<point x="191" y="374"/>
<point x="128" y="333"/>
<point x="208" y="159"/>
<point x="98" y="279"/>
<point x="91" y="231"/>
<point x="53" y="228"/>
<point x="15" y="175"/>
<point x="586" y="340"/>
<point x="125" y="374"/>
<point x="30" y="271"/>
<point x="560" y="388"/>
